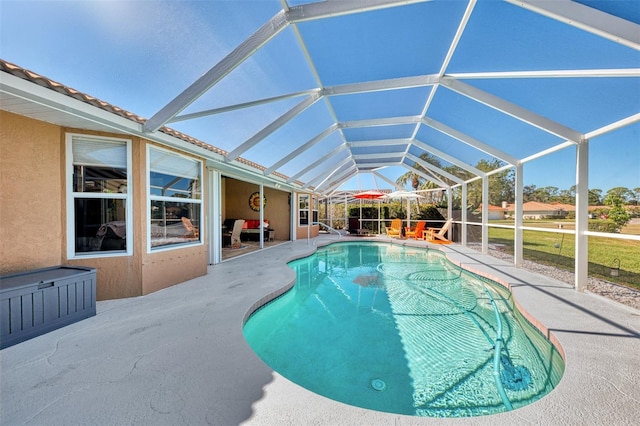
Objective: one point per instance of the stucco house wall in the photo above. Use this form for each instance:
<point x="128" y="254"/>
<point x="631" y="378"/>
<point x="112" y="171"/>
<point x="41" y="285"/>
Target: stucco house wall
<point x="303" y="231"/>
<point x="162" y="269"/>
<point x="33" y="234"/>
<point x="31" y="194"/>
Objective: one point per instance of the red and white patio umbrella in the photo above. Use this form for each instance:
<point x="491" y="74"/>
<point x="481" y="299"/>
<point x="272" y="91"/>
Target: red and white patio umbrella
<point x="369" y="195"/>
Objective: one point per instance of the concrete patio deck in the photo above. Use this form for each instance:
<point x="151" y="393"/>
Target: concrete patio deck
<point x="178" y="356"/>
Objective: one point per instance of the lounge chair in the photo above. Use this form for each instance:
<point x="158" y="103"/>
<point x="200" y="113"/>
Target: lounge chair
<point x="436" y="235"/>
<point x="416" y="232"/>
<point x="233" y="237"/>
<point x="192" y="231"/>
<point x="395" y="228"/>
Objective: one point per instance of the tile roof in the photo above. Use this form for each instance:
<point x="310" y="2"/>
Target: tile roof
<point x="536" y="206"/>
<point x="565" y="207"/>
<point x="47" y="83"/>
<point x="491" y="207"/>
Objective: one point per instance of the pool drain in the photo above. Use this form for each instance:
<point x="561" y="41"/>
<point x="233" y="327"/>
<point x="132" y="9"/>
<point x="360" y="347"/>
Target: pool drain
<point x="378" y="384"/>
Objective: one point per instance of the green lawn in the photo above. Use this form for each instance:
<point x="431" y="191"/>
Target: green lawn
<point x="558" y="250"/>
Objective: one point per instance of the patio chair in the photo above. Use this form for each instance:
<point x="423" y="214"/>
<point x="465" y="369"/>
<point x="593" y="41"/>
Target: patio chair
<point x="192" y="231"/>
<point x="416" y="232"/>
<point x="354" y="226"/>
<point x="395" y="228"/>
<point x="235" y="234"/>
<point x="436" y="235"/>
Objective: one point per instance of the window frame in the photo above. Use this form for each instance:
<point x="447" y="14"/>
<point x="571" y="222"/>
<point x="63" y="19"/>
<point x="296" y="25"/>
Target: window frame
<point x="151" y="198"/>
<point x="307" y="209"/>
<point x="314" y="210"/>
<point x="72" y="195"/>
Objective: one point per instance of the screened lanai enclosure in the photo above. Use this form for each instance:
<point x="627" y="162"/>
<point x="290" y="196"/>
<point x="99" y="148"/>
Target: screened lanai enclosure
<point x="336" y="97"/>
<point x="346" y="90"/>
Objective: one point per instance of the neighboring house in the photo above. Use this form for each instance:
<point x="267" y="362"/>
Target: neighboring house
<point x="495" y="212"/>
<point x="82" y="185"/>
<point x="533" y="210"/>
<point x="564" y="207"/>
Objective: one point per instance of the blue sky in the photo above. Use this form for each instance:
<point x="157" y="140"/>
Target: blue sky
<point x="139" y="55"/>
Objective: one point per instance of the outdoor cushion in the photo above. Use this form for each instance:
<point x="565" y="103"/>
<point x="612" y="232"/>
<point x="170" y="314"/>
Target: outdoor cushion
<point x="254" y="224"/>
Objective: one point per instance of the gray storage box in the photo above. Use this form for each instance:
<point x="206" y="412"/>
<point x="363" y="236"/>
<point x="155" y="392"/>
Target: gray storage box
<point x="36" y="302"/>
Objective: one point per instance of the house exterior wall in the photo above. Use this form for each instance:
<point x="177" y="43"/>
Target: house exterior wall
<point x="164" y="268"/>
<point x="534" y="210"/>
<point x="496" y="215"/>
<point x="119" y="276"/>
<point x="303" y="231"/>
<point x="236" y="198"/>
<point x="279" y="212"/>
<point x="537" y="215"/>
<point x="33" y="230"/>
<point x="31" y="194"/>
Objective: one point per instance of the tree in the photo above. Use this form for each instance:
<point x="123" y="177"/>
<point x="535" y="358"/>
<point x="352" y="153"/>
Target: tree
<point x="595" y="197"/>
<point x="552" y="193"/>
<point x="433" y="197"/>
<point x="565" y="196"/>
<point x="624" y="194"/>
<point x="617" y="213"/>
<point x="412" y="178"/>
<point x="547" y="194"/>
<point x="636" y="196"/>
<point x="416" y="180"/>
<point x="528" y="193"/>
<point x="501" y="185"/>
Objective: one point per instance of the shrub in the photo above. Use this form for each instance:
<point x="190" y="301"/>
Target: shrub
<point x="429" y="212"/>
<point x="599" y="225"/>
<point x="368" y="212"/>
<point x="617" y="213"/>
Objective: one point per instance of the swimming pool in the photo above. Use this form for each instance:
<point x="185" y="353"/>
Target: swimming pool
<point x="402" y="330"/>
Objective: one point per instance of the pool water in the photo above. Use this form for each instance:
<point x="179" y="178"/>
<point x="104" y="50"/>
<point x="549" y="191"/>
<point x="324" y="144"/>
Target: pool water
<point x="402" y="330"/>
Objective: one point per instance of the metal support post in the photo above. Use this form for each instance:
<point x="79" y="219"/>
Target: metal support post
<point x="582" y="215"/>
<point x="518" y="240"/>
<point x="485" y="214"/>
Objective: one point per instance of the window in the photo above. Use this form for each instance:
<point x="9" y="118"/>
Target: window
<point x="315" y="210"/>
<point x="98" y="205"/>
<point x="303" y="209"/>
<point x="175" y="199"/>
